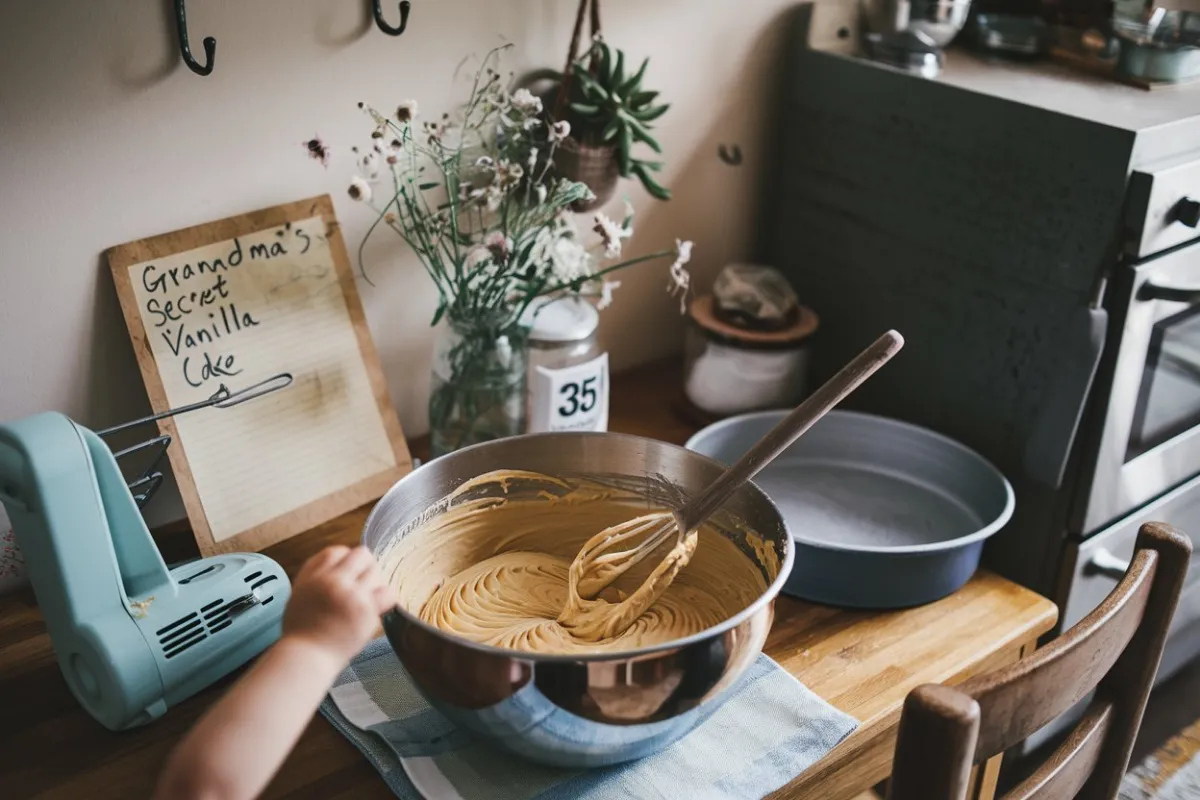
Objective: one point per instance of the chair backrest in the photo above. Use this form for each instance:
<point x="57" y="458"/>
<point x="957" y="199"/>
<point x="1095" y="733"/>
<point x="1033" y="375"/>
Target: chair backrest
<point x="1115" y="650"/>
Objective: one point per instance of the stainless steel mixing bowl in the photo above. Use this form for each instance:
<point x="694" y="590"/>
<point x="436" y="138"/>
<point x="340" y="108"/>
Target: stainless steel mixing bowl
<point x="580" y="711"/>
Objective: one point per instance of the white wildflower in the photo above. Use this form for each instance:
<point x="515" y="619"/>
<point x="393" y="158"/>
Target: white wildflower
<point x="507" y="174"/>
<point x="680" y="278"/>
<point x="541" y="193"/>
<point x="468" y="194"/>
<point x="360" y="189"/>
<point x="504" y="351"/>
<point x="606" y="291"/>
<point x="569" y="260"/>
<point x="435" y="131"/>
<point x="493" y="197"/>
<point x="533" y="157"/>
<point x="438" y="223"/>
<point x="407" y="111"/>
<point x="485" y="162"/>
<point x="369" y="165"/>
<point x="477" y="255"/>
<point x="612" y="234"/>
<point x="526" y="102"/>
<point x="560" y="130"/>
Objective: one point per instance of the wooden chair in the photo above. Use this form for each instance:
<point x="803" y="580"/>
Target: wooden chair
<point x="1115" y="650"/>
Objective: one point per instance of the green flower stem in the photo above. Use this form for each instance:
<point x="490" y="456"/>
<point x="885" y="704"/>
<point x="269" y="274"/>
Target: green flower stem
<point x="597" y="275"/>
<point x="477" y="387"/>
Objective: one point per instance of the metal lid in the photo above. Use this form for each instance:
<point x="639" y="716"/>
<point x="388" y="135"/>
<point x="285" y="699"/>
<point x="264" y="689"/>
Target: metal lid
<point x="909" y="50"/>
<point x="560" y="319"/>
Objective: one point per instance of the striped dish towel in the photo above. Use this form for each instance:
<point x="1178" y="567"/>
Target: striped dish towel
<point x="767" y="733"/>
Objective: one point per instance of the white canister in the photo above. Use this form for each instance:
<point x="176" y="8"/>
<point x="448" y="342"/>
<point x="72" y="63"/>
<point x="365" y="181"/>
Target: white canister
<point x="730" y="370"/>
<point x="567" y="386"/>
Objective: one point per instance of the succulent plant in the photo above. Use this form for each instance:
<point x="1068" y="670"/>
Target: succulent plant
<point x="611" y="106"/>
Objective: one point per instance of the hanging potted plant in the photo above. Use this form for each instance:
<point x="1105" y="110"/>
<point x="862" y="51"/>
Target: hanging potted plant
<point x="611" y="116"/>
<point x="475" y="198"/>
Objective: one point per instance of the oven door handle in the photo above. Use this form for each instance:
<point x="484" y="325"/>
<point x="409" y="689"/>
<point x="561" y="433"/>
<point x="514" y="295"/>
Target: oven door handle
<point x="1150" y="291"/>
<point x="1105" y="563"/>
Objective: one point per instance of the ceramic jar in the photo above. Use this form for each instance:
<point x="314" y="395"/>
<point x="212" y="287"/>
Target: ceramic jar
<point x="747" y="345"/>
<point x="568" y="372"/>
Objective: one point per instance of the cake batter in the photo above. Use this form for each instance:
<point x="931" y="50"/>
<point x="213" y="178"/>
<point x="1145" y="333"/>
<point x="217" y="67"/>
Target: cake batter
<point x="492" y="564"/>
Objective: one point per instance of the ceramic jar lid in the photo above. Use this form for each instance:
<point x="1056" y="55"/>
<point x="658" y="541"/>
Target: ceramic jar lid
<point x="753" y="307"/>
<point x="561" y="320"/>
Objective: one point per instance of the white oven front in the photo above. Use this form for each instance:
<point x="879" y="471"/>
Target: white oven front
<point x="1150" y="440"/>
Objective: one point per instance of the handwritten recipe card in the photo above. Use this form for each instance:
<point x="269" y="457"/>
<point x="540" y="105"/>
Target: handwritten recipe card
<point x="232" y="304"/>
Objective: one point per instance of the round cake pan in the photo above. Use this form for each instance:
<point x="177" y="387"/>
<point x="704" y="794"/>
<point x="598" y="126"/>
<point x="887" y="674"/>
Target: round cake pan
<point x="883" y="514"/>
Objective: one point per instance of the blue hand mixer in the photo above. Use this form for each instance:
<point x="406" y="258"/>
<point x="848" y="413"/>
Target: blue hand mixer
<point x="132" y="636"/>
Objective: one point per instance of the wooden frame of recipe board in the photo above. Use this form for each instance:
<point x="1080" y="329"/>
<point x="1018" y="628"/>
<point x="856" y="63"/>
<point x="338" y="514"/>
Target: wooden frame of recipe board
<point x="318" y="509"/>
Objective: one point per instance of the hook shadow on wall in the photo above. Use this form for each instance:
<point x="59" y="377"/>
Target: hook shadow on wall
<point x="730" y="154"/>
<point x="210" y="44"/>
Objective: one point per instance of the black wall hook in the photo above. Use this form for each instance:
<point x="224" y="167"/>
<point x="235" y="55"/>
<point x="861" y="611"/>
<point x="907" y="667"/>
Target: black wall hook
<point x="731" y="155"/>
<point x="405" y="7"/>
<point x="210" y="44"/>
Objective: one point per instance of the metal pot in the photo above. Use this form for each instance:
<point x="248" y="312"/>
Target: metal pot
<point x="579" y="711"/>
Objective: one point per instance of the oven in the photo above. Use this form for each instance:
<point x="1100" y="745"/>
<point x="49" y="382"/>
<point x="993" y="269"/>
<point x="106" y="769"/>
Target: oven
<point x="1150" y="440"/>
<point x="1035" y="235"/>
<point x="1144" y="459"/>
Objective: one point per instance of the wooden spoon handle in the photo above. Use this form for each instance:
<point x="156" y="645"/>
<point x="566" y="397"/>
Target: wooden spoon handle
<point x="779" y="438"/>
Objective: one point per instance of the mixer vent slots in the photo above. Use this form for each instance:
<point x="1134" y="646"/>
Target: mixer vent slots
<point x="181" y="634"/>
<point x="218" y="614"/>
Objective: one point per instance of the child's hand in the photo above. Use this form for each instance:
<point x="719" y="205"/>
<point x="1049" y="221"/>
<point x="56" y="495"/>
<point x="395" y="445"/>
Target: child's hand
<point x="336" y="601"/>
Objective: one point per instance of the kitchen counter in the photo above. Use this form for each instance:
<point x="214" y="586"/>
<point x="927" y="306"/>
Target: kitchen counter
<point x="862" y="662"/>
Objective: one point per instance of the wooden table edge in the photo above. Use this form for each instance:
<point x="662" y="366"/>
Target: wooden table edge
<point x="821" y="778"/>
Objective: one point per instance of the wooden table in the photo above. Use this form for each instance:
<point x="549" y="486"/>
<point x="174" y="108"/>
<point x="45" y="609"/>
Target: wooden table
<point x="862" y="662"/>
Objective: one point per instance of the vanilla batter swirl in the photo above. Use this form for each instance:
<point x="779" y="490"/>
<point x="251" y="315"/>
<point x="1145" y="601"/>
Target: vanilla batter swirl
<point x="495" y="568"/>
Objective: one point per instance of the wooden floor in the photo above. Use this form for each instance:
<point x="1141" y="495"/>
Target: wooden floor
<point x="1173" y="706"/>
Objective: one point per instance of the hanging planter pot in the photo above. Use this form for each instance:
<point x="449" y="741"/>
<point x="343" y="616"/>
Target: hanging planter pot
<point x="595" y="166"/>
<point x="609" y="111"/>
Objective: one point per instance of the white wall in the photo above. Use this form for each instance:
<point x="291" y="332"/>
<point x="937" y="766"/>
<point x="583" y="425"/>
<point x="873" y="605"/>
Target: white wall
<point x="105" y="137"/>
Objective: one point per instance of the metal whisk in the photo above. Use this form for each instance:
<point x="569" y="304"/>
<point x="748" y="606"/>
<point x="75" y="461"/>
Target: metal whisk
<point x="610" y="553"/>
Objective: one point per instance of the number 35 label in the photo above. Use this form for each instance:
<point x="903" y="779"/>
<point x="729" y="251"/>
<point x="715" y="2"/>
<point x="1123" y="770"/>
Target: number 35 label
<point x="571" y="399"/>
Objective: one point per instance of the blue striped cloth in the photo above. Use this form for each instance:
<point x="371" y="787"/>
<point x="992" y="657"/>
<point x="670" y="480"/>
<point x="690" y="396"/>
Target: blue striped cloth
<point x="767" y="733"/>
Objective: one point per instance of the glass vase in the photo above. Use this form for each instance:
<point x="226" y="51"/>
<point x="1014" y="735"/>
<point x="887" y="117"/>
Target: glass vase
<point x="478" y="388"/>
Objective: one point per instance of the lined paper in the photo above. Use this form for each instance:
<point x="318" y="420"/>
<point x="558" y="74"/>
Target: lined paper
<point x="236" y="313"/>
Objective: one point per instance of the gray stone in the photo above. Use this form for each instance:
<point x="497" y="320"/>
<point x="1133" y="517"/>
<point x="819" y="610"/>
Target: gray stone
<point x="756" y="294"/>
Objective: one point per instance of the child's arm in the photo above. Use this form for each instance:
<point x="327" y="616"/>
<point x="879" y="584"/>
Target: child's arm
<point x="235" y="748"/>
